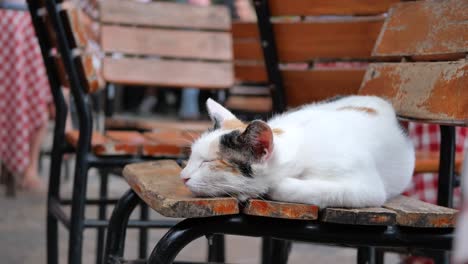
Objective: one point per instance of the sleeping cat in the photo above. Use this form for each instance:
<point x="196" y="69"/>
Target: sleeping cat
<point x="350" y="152"/>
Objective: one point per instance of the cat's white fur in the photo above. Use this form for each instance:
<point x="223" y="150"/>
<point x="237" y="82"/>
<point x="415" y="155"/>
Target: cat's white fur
<point x="327" y="154"/>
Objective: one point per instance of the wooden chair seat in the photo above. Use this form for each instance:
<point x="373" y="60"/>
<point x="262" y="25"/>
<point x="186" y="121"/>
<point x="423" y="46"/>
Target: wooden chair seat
<point x="159" y="185"/>
<point x="166" y="143"/>
<point x="156" y="125"/>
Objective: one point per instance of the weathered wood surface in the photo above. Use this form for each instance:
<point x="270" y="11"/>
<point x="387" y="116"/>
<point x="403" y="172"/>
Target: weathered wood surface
<point x="428" y="161"/>
<point x="159" y="185"/>
<point x="329" y="7"/>
<point x="84" y="31"/>
<point x="164" y="14"/>
<point x="168" y="143"/>
<point x="84" y="28"/>
<point x="281" y="209"/>
<point x="258" y="104"/>
<point x="359" y="216"/>
<point x="167" y="42"/>
<point x="415" y="213"/>
<point x="306" y="86"/>
<point x="433" y="91"/>
<point x="305" y="41"/>
<point x="250" y="73"/>
<point x="158" y="125"/>
<point x="425" y="30"/>
<point x="210" y="75"/>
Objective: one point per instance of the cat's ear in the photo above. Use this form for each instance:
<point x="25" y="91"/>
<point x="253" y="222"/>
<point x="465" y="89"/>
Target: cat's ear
<point x="218" y="113"/>
<point x="258" y="137"/>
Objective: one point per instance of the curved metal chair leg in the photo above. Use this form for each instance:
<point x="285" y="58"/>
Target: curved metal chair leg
<point x="117" y="228"/>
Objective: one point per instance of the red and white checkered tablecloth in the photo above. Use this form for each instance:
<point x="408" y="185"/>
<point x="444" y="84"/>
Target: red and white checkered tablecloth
<point x="427" y="138"/>
<point x="24" y="89"/>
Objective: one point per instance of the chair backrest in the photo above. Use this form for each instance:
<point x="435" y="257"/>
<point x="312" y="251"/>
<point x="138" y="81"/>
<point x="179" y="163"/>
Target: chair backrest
<point x="431" y="85"/>
<point x="302" y="37"/>
<point x="158" y="43"/>
<point x="162" y="43"/>
<point x="79" y="36"/>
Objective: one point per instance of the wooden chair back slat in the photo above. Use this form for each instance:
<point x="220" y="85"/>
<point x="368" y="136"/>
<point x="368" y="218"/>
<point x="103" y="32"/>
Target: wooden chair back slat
<point x="84" y="28"/>
<point x="164" y="14"/>
<point x="425" y="30"/>
<point x="250" y="73"/>
<point x="329" y="7"/>
<point x="308" y="34"/>
<point x="304" y="87"/>
<point x="351" y="38"/>
<point x="82" y="33"/>
<point x="168" y="72"/>
<point x="427" y="91"/>
<point x="192" y="45"/>
<point x="167" y="42"/>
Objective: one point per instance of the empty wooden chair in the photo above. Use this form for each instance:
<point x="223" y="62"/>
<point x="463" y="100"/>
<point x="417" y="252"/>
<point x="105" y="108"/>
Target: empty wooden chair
<point x="168" y="44"/>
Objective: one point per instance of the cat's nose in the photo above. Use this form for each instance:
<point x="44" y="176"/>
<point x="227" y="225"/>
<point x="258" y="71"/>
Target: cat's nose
<point x="185" y="180"/>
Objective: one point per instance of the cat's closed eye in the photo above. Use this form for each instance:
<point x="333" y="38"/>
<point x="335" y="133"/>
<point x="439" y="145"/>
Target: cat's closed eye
<point x="205" y="162"/>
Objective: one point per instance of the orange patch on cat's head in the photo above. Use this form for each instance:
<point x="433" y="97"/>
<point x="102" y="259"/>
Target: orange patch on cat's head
<point x="277" y="131"/>
<point x="222" y="165"/>
<point x="367" y="110"/>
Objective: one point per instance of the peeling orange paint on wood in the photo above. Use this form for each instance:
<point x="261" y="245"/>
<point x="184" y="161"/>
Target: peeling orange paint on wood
<point x="159" y="185"/>
<point x="281" y="210"/>
<point x="432" y="91"/>
<point x="425" y="30"/>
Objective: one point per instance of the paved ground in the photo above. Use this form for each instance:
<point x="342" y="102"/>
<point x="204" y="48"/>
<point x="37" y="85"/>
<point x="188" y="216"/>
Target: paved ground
<point x="22" y="235"/>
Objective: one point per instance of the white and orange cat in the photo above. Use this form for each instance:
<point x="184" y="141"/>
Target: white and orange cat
<point x="350" y="152"/>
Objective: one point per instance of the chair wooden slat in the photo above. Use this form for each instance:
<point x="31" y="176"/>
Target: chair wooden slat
<point x="247" y="49"/>
<point x="415" y="213"/>
<point x="92" y="75"/>
<point x="329" y="7"/>
<point x="428" y="161"/>
<point x="250" y="73"/>
<point x="303" y="41"/>
<point x="168" y="143"/>
<point x="167" y="42"/>
<point x="425" y="30"/>
<point x="256" y="104"/>
<point x="83" y="27"/>
<point x="159" y="185"/>
<point x="359" y="216"/>
<point x="430" y="91"/>
<point x="103" y="145"/>
<point x="244" y="30"/>
<point x="281" y="209"/>
<point x="164" y="14"/>
<point x="304" y="87"/>
<point x="166" y="72"/>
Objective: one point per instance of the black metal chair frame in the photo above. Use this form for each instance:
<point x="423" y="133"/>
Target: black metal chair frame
<point x="277" y="231"/>
<point x="85" y="159"/>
